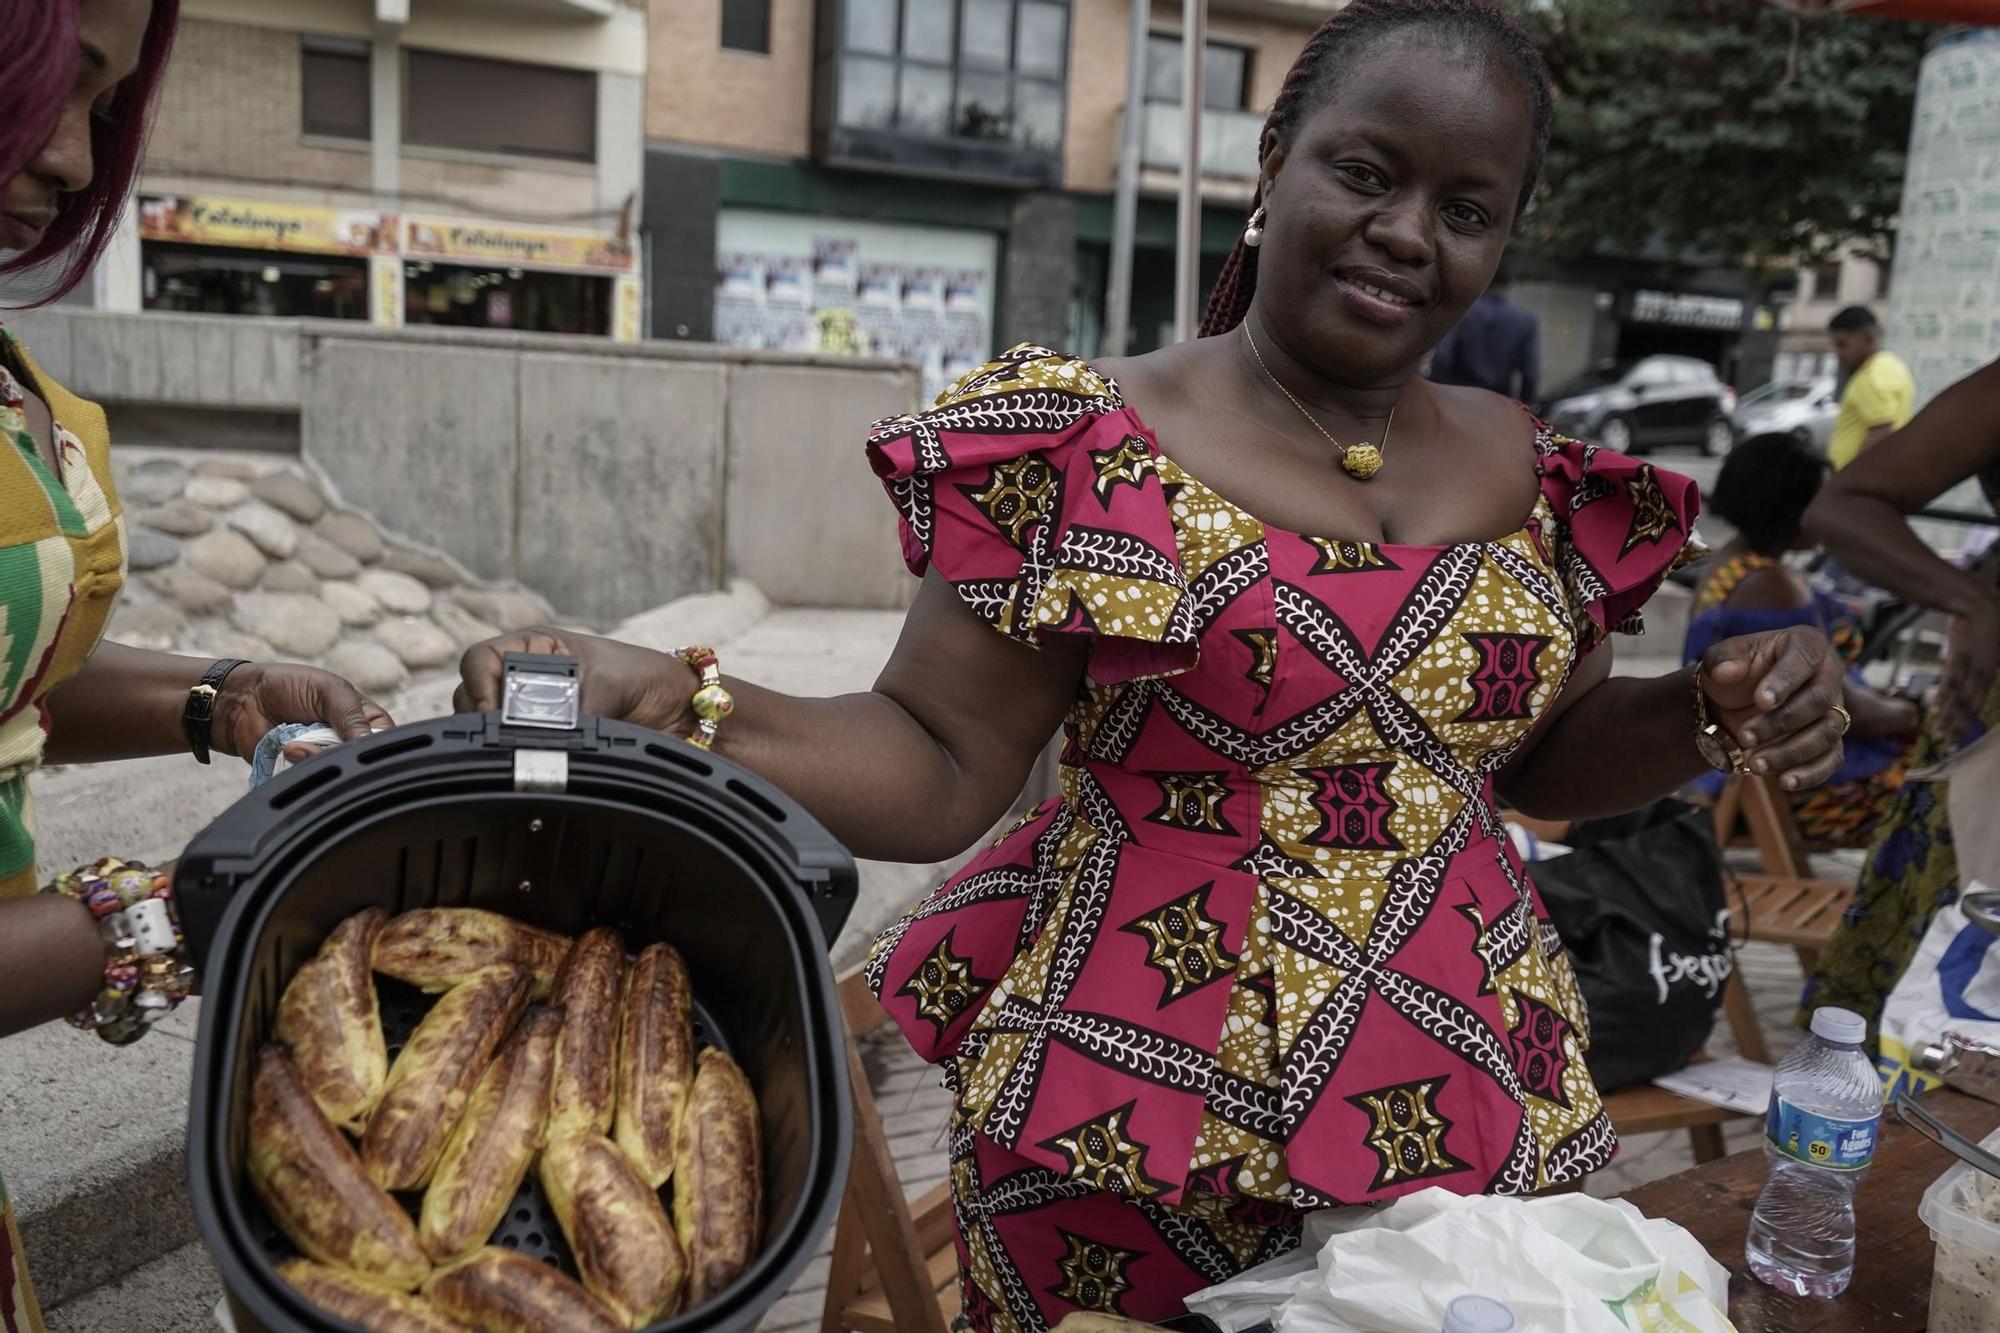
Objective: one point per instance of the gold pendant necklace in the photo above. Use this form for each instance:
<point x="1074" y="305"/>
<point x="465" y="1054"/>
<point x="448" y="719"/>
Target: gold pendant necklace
<point x="1361" y="460"/>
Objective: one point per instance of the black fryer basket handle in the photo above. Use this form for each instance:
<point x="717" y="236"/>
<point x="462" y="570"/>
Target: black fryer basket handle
<point x="234" y="847"/>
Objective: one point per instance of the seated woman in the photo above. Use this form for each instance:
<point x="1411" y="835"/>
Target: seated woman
<point x="1763" y="493"/>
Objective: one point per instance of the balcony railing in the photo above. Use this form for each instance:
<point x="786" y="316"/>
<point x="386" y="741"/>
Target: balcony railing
<point x="1228" y="141"/>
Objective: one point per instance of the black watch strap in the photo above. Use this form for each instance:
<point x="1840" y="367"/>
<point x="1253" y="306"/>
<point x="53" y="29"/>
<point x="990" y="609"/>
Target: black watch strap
<point x="199" y="718"/>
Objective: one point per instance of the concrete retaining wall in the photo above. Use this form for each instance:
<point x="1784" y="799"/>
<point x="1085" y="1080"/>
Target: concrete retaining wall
<point x="611" y="478"/>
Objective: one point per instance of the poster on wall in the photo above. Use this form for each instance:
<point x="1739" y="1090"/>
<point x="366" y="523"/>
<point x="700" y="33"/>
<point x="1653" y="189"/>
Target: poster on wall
<point x="835" y="270"/>
<point x="791" y="282"/>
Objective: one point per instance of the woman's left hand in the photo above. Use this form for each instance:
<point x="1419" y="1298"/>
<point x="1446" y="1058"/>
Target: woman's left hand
<point x="1776" y="693"/>
<point x="257" y="697"/>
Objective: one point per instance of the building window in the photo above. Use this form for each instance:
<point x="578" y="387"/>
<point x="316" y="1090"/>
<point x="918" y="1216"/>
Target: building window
<point x="334" y="75"/>
<point x="1826" y="282"/>
<point x="212" y="280"/>
<point x="484" y="297"/>
<point x="1225" y="80"/>
<point x="498" y="106"/>
<point x="989" y="71"/>
<point x="746" y="26"/>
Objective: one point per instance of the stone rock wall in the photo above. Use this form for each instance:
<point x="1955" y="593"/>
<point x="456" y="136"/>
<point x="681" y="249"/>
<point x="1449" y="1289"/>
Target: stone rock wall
<point x="249" y="556"/>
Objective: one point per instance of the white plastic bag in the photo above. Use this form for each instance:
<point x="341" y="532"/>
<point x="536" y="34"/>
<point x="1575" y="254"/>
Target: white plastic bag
<point x="1566" y="1264"/>
<point x="1952" y="985"/>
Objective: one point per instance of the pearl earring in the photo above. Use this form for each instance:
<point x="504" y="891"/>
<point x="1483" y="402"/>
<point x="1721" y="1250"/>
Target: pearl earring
<point x="1253" y="235"/>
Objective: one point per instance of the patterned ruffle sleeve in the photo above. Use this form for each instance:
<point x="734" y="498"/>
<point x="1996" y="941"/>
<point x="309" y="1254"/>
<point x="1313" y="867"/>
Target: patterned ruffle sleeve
<point x="1620" y="526"/>
<point x="1032" y="490"/>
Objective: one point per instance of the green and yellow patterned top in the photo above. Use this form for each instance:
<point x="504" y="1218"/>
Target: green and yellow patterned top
<point x="62" y="566"/>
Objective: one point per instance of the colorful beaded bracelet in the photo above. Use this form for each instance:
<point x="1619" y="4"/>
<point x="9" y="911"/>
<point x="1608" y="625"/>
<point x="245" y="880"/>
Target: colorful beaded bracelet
<point x="712" y="700"/>
<point x="146" y="975"/>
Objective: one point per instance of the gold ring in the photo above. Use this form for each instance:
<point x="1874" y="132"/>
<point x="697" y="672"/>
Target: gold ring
<point x="1846" y="718"/>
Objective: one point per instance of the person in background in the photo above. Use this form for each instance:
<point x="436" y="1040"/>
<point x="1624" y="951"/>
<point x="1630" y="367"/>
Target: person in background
<point x="1879" y="393"/>
<point x="1762" y="492"/>
<point x="1496" y="347"/>
<point x="1861" y="518"/>
<point x="100" y="945"/>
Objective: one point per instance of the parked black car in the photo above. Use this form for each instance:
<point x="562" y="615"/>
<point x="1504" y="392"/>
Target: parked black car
<point x="1635" y="406"/>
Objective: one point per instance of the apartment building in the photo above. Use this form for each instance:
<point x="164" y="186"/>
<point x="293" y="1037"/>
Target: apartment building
<point x="933" y="178"/>
<point x="462" y="162"/>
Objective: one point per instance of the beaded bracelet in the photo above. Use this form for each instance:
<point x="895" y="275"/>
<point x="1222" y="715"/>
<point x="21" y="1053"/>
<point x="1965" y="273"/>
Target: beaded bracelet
<point x="712" y="700"/>
<point x="146" y="975"/>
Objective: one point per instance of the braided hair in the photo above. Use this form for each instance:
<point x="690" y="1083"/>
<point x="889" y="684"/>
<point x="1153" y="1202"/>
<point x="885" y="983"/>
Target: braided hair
<point x="1312" y="76"/>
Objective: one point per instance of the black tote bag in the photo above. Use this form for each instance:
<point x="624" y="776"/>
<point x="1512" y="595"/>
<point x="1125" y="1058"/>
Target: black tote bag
<point x="1640" y="905"/>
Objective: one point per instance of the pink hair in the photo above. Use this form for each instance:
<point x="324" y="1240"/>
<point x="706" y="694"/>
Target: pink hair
<point x="37" y="68"/>
<point x="36" y="76"/>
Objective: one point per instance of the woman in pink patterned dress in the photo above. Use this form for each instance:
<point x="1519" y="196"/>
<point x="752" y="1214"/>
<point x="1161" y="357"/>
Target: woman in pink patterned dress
<point x="1269" y="950"/>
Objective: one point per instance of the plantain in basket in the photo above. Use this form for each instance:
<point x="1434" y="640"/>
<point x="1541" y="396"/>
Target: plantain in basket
<point x="655" y="1061"/>
<point x="625" y="1248"/>
<point x="433" y="1078"/>
<point x="503" y="1291"/>
<point x="589" y="991"/>
<point x="719" y="1177"/>
<point x="330" y="1019"/>
<point x="314" y="1187"/>
<point x="488" y="1155"/>
<point x="374" y="1308"/>
<point x="436" y="948"/>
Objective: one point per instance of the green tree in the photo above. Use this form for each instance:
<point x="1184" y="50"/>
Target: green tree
<point x="1726" y="128"/>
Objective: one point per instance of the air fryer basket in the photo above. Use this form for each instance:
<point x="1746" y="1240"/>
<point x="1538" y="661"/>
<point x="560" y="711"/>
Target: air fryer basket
<point x="603" y="825"/>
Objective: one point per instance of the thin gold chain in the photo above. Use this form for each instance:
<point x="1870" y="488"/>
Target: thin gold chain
<point x="1387" y="426"/>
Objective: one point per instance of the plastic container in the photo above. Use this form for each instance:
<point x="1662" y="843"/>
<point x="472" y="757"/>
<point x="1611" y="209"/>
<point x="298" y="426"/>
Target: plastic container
<point x="1478" y="1314"/>
<point x="1962" y="1209"/>
<point x="1819" y="1137"/>
<point x="601" y="825"/>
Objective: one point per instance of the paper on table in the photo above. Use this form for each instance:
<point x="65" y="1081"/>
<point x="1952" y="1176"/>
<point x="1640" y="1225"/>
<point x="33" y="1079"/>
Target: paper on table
<point x="1734" y="1084"/>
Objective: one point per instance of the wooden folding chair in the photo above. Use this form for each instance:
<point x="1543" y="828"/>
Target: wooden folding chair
<point x="1785" y="904"/>
<point x="894" y="1269"/>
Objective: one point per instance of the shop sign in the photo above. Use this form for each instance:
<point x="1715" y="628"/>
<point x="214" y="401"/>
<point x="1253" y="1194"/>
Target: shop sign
<point x="255" y="224"/>
<point x="513" y="247"/>
<point x="1686" y="310"/>
<point x="386" y="282"/>
<point x="625" y="312"/>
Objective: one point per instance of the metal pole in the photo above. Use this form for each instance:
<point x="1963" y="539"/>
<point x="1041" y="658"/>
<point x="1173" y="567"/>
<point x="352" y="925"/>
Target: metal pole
<point x="1187" y="232"/>
<point x="1125" y="206"/>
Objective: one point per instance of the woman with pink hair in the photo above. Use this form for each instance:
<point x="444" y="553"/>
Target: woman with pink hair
<point x="101" y="944"/>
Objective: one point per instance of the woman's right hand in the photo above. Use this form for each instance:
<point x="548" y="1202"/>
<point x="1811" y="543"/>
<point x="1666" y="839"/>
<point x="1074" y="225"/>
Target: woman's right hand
<point x="620" y="681"/>
<point x="1973" y="653"/>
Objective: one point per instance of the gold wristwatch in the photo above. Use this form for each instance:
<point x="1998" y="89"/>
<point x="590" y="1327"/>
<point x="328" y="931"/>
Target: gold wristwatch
<point x="1718" y="747"/>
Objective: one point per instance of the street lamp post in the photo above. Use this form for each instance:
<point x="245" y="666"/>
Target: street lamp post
<point x="1187" y="231"/>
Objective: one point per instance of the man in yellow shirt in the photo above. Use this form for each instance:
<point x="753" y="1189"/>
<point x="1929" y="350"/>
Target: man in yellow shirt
<point x="1880" y="393"/>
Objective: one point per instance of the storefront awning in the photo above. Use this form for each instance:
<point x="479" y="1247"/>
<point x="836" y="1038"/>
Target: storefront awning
<point x="1921" y="11"/>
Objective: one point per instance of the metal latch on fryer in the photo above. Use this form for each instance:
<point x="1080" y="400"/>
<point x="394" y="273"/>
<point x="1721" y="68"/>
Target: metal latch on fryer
<point x="541" y="770"/>
<point x="544" y="693"/>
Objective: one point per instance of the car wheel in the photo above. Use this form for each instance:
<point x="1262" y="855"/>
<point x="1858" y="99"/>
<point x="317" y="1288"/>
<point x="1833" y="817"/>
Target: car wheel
<point x="1616" y="433"/>
<point x="1719" y="438"/>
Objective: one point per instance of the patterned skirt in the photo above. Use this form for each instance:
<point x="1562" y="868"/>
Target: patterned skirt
<point x="1849" y="814"/>
<point x="1035" y="1247"/>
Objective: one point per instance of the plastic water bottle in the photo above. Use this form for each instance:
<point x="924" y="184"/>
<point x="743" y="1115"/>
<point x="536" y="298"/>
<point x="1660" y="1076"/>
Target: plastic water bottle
<point x="1819" y="1135"/>
<point x="1478" y="1314"/>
